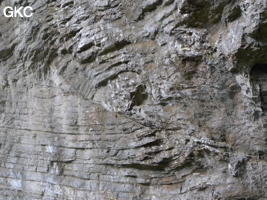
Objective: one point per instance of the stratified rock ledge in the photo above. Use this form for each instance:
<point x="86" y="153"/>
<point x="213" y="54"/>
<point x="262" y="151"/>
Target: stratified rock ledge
<point x="134" y="100"/>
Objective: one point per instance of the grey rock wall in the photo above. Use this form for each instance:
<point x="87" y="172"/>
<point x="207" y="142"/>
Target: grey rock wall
<point x="134" y="100"/>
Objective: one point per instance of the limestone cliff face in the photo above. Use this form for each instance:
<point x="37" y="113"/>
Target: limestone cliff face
<point x="134" y="100"/>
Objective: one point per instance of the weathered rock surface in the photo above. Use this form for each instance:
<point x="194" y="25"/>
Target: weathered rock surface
<point x="134" y="100"/>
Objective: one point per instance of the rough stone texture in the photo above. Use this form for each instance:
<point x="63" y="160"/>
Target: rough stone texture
<point x="134" y="100"/>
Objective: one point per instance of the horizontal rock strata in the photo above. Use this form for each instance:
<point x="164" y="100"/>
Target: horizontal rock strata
<point x="134" y="100"/>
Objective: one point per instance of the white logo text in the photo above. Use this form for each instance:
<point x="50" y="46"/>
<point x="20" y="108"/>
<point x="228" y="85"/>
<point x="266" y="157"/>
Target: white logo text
<point x="18" y="12"/>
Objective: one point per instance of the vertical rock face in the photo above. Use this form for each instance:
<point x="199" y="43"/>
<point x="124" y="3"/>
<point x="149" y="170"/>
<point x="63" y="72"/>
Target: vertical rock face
<point x="136" y="100"/>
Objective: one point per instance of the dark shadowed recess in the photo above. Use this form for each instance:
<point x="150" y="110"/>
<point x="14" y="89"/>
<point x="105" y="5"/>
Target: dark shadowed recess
<point x="258" y="77"/>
